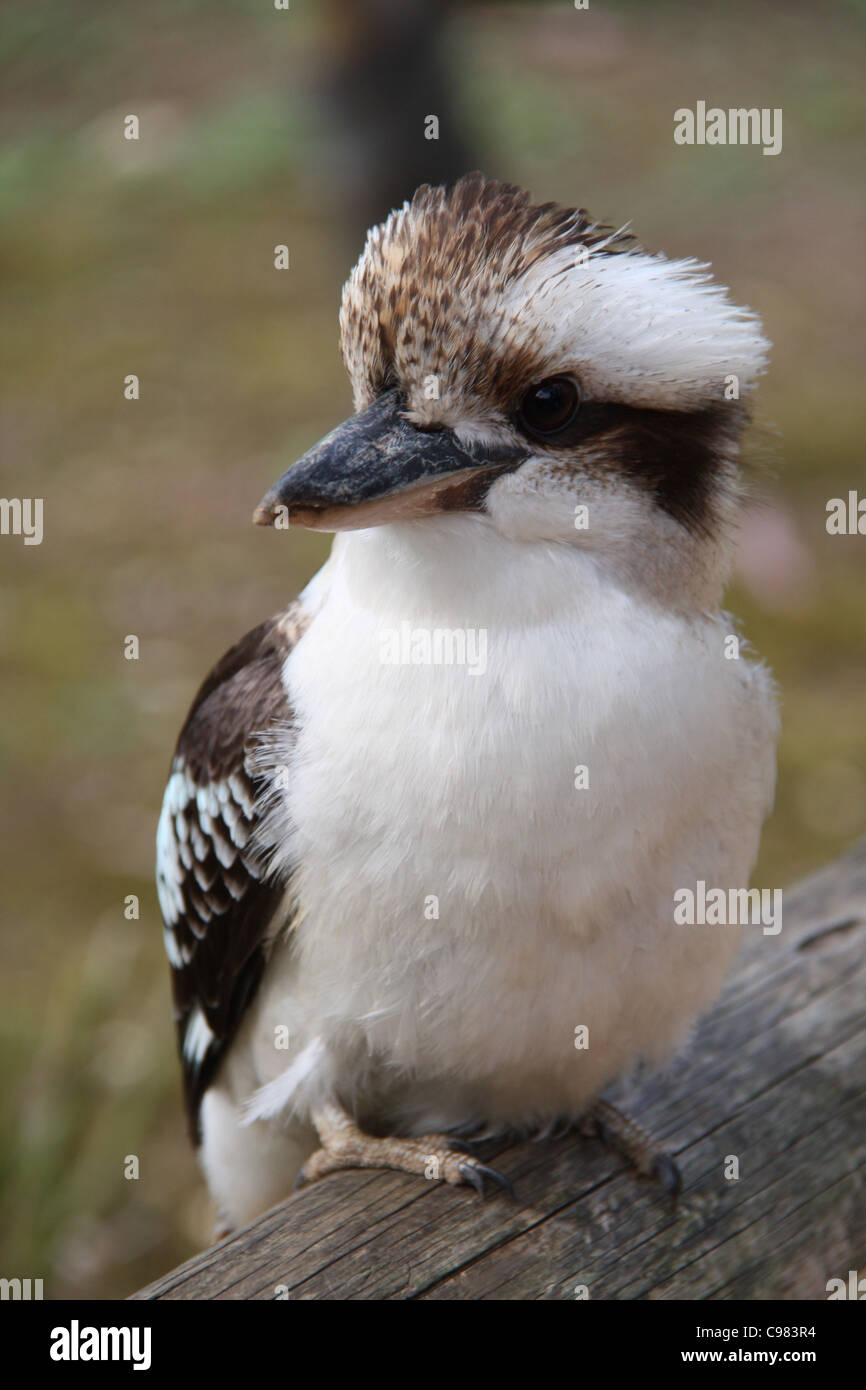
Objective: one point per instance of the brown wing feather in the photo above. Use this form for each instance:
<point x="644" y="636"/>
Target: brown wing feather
<point x="217" y="899"/>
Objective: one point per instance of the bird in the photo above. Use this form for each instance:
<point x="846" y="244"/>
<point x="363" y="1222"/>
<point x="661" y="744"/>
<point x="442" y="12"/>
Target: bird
<point x="423" y="828"/>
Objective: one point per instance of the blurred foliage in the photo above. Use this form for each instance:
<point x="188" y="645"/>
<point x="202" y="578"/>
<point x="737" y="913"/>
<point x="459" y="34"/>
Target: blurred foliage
<point x="157" y="258"/>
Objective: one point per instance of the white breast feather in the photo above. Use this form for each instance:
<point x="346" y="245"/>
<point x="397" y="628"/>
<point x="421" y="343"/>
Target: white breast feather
<point x="555" y="905"/>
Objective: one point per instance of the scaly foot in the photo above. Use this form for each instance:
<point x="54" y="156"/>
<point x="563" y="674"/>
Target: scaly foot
<point x="644" y="1152"/>
<point x="433" y="1156"/>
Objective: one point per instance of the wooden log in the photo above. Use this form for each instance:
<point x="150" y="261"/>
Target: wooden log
<point x="775" y="1077"/>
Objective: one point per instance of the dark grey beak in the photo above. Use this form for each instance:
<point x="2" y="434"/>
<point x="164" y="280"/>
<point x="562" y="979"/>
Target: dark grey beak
<point x="377" y="467"/>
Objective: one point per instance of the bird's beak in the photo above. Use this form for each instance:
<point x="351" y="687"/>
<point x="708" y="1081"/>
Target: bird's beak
<point x="377" y="468"/>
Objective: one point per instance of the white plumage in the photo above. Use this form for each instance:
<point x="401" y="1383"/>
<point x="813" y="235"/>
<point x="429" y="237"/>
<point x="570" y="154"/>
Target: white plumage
<point x="555" y="904"/>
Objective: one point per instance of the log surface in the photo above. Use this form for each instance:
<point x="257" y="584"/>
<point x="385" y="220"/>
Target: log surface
<point x="774" y="1076"/>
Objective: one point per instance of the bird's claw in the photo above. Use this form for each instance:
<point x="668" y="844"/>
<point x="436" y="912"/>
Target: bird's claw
<point x="461" y="1146"/>
<point x="475" y="1173"/>
<point x="667" y="1171"/>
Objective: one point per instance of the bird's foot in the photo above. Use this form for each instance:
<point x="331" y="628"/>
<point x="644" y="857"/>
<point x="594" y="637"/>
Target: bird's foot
<point x="432" y="1156"/>
<point x="618" y="1131"/>
<point x="223" y="1226"/>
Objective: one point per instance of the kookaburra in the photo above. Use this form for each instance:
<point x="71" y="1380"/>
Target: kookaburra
<point x="396" y="882"/>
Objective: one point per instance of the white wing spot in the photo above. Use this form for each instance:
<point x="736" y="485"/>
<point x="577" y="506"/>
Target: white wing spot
<point x="197" y="1037"/>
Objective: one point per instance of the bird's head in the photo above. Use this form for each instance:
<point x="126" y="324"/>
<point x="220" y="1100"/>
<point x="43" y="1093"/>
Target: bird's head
<point x="530" y="367"/>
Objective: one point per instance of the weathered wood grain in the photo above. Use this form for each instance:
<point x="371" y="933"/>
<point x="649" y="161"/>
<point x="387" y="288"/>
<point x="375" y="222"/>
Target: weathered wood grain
<point x="776" y="1075"/>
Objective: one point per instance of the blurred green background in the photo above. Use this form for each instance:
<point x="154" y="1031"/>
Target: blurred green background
<point x="156" y="258"/>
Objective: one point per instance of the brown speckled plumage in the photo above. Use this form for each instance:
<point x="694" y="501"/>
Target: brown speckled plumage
<point x="412" y="306"/>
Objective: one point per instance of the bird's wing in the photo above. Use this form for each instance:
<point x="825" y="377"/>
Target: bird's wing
<point x="217" y="899"/>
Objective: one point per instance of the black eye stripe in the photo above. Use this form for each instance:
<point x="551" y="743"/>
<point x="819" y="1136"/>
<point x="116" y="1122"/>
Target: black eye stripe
<point x="676" y="456"/>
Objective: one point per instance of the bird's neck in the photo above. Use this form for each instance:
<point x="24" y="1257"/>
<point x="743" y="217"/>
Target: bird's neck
<point x="459" y="570"/>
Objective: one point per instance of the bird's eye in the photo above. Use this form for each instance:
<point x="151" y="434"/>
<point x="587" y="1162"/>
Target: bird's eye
<point x="550" y="406"/>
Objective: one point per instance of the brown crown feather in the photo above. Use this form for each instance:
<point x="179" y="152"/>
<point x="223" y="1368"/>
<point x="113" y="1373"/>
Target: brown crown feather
<point x="427" y="272"/>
